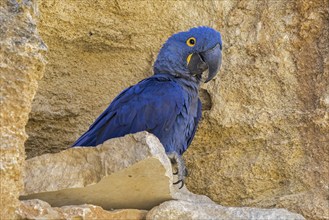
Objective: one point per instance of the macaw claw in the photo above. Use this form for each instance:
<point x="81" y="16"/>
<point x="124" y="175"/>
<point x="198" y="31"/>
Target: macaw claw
<point x="179" y="181"/>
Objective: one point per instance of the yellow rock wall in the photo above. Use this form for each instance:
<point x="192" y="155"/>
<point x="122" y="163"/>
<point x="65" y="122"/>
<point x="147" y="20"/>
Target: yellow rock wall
<point x="263" y="140"/>
<point x="21" y="65"/>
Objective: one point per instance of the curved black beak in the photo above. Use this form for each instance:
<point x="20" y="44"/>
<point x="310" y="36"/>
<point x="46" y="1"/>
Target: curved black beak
<point x="209" y="61"/>
<point x="213" y="58"/>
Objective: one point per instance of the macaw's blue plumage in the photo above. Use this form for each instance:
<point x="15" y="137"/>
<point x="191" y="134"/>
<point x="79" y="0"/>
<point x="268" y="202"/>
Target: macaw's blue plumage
<point x="165" y="104"/>
<point x="158" y="104"/>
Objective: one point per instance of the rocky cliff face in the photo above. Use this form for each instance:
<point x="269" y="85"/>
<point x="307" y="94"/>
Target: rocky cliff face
<point x="263" y="139"/>
<point x="266" y="138"/>
<point x="21" y="65"/>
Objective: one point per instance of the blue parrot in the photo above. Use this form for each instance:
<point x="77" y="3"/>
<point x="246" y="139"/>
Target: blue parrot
<point x="166" y="104"/>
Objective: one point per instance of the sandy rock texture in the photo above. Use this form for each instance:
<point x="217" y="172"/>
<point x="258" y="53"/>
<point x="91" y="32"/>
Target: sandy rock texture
<point x="263" y="140"/>
<point x="38" y="209"/>
<point x="127" y="175"/>
<point x="128" y="172"/>
<point x="21" y="66"/>
<point x="186" y="210"/>
<point x="171" y="210"/>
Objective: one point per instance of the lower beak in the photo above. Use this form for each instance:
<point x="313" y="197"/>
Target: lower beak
<point x="213" y="58"/>
<point x="209" y="61"/>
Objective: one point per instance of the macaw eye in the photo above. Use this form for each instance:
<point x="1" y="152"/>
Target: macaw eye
<point x="191" y="42"/>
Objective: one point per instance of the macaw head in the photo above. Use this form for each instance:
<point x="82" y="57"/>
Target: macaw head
<point x="195" y="55"/>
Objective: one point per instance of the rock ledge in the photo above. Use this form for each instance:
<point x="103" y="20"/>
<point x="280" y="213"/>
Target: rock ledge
<point x="128" y="173"/>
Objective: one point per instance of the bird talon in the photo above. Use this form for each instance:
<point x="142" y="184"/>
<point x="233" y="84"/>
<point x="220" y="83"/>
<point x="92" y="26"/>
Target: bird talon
<point x="181" y="185"/>
<point x="175" y="183"/>
<point x="181" y="169"/>
<point x="179" y="181"/>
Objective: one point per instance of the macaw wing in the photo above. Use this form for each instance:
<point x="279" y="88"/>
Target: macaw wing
<point x="151" y="105"/>
<point x="196" y="122"/>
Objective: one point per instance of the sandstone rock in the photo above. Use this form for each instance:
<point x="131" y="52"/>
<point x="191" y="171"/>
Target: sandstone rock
<point x="186" y="210"/>
<point x="128" y="172"/>
<point x="315" y="203"/>
<point x="265" y="132"/>
<point x="21" y="65"/>
<point x="38" y="209"/>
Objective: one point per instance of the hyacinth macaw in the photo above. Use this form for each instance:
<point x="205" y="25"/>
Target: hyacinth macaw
<point x="167" y="103"/>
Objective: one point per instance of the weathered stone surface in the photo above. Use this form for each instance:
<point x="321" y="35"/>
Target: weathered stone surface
<point x="187" y="210"/>
<point x="128" y="172"/>
<point x="314" y="204"/>
<point x="21" y="65"/>
<point x="38" y="209"/>
<point x="265" y="132"/>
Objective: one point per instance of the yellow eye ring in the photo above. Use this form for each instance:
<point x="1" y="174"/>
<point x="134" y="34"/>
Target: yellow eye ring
<point x="191" y="42"/>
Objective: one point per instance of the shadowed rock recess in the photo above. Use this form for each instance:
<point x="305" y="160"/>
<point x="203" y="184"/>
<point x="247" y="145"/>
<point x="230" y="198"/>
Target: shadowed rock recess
<point x="128" y="173"/>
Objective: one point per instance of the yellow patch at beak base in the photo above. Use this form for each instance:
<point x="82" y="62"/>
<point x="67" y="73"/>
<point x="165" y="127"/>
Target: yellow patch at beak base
<point x="189" y="58"/>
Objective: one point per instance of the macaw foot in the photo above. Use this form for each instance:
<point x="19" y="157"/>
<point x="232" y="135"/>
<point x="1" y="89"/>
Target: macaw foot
<point x="181" y="169"/>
